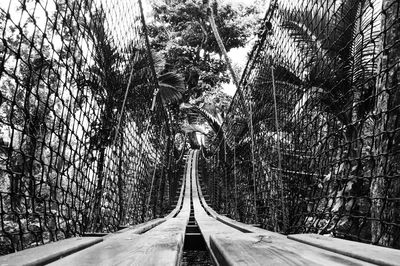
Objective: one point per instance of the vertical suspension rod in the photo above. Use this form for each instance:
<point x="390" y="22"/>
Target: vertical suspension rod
<point x="150" y="57"/>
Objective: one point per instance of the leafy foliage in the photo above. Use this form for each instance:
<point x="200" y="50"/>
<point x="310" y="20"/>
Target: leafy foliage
<point x="182" y="33"/>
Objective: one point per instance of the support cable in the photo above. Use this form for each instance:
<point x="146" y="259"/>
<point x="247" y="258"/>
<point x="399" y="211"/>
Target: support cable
<point x="210" y="14"/>
<point x="253" y="163"/>
<point x="150" y="57"/>
<point x="226" y="179"/>
<point x="235" y="181"/>
<point x="278" y="147"/>
<point x="247" y="113"/>
<point x="152" y="181"/>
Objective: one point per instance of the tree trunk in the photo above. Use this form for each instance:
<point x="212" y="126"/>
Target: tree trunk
<point x="104" y="135"/>
<point x="226" y="57"/>
<point x="15" y="181"/>
<point x="387" y="122"/>
<point x="60" y="157"/>
<point x="164" y="174"/>
<point x="29" y="150"/>
<point x="99" y="190"/>
<point x="121" y="213"/>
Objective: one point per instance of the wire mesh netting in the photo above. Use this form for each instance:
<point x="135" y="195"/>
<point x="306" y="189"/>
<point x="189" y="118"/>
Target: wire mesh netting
<point x="80" y="149"/>
<point x="320" y="150"/>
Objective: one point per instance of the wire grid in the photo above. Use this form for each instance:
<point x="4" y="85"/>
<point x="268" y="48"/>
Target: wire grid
<point x="323" y="82"/>
<point x="66" y="168"/>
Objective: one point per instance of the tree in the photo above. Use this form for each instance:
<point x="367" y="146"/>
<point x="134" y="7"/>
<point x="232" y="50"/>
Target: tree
<point x="182" y="32"/>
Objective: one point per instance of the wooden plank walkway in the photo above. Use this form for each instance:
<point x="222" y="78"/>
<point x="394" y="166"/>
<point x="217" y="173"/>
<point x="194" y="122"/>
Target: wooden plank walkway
<point x="229" y="242"/>
<point x="234" y="243"/>
<point x="370" y="253"/>
<point x="163" y="245"/>
<point x="47" y="253"/>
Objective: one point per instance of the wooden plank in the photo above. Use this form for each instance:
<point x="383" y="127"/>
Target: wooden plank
<point x="185" y="211"/>
<point x="240" y="251"/>
<point x="234" y="243"/>
<point x="226" y="220"/>
<point x="252" y="249"/>
<point x="369" y="253"/>
<point x="213" y="213"/>
<point x="50" y="252"/>
<point x="162" y="245"/>
<point x="137" y="229"/>
<point x="239" y="226"/>
<point x="207" y="224"/>
<point x="56" y="250"/>
<point x="212" y="224"/>
<point x="246" y="228"/>
<point x="182" y="192"/>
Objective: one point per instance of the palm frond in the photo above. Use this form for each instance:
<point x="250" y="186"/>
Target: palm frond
<point x="211" y="120"/>
<point x="308" y="44"/>
<point x="172" y="86"/>
<point x="189" y="128"/>
<point x="364" y="50"/>
<point x="311" y="94"/>
<point x="340" y="35"/>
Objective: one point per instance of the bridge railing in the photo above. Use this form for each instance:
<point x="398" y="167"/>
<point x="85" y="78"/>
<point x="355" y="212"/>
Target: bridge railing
<point x="321" y="154"/>
<point x="80" y="150"/>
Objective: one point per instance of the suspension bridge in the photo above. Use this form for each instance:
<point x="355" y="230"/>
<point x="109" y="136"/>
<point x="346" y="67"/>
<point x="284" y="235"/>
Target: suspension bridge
<point x="101" y="163"/>
<point x="195" y="227"/>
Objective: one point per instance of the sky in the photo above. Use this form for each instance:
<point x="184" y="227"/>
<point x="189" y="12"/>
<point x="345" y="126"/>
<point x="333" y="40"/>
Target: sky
<point x="238" y="56"/>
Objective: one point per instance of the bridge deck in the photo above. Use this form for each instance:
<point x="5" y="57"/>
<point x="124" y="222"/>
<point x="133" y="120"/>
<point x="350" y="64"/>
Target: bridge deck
<point x="161" y="241"/>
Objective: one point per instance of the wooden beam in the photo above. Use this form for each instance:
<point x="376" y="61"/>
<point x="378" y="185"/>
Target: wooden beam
<point x="366" y="252"/>
<point x="50" y="252"/>
<point x="182" y="192"/>
<point x="162" y="245"/>
<point x="137" y="229"/>
<point x="234" y="243"/>
<point x="254" y="249"/>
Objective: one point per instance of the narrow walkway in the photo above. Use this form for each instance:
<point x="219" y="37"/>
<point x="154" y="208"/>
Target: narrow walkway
<point x="194" y="226"/>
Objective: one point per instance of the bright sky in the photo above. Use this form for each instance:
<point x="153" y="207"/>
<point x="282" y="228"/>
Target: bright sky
<point x="236" y="1"/>
<point x="238" y="56"/>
